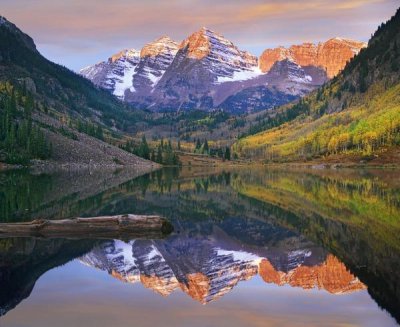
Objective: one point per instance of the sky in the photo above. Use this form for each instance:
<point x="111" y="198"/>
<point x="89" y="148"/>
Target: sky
<point x="78" y="33"/>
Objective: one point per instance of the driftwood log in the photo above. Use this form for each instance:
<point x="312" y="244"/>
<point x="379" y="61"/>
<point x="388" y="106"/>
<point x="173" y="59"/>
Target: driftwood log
<point x="121" y="226"/>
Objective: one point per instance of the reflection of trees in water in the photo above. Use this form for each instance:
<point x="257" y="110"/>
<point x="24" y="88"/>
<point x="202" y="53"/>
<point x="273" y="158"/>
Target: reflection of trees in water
<point x="21" y="193"/>
<point x="24" y="196"/>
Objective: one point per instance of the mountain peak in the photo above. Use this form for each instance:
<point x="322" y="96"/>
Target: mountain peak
<point x="164" y="39"/>
<point x="3" y="20"/>
<point x="205" y="41"/>
<point x="207" y="30"/>
<point x="23" y="38"/>
<point x="197" y="44"/>
<point x="356" y="45"/>
<point x="343" y="39"/>
<point x="162" y="45"/>
<point x="127" y="53"/>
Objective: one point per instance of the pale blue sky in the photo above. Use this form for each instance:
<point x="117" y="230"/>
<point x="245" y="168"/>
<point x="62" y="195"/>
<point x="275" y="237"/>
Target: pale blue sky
<point x="77" y="33"/>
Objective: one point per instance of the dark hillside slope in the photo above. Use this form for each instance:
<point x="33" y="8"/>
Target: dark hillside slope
<point x="49" y="112"/>
<point x="62" y="88"/>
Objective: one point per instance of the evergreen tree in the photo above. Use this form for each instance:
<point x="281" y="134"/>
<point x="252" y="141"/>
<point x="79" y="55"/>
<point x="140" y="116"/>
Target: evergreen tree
<point x="205" y="147"/>
<point x="159" y="158"/>
<point x="99" y="133"/>
<point x="13" y="103"/>
<point x="144" y="150"/>
<point x="169" y="157"/>
<point x="198" y="144"/>
<point x="24" y="89"/>
<point x="227" y="155"/>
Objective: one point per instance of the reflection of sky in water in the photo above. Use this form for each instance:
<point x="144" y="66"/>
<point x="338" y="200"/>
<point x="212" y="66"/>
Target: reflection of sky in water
<point x="77" y="295"/>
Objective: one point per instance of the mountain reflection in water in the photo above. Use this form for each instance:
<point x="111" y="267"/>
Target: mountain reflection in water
<point x="207" y="269"/>
<point x="336" y="232"/>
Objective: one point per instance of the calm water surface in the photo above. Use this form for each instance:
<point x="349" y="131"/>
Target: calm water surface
<point x="250" y="248"/>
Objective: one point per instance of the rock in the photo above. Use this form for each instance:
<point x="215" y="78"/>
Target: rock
<point x="332" y="55"/>
<point x="331" y="276"/>
<point x="29" y="84"/>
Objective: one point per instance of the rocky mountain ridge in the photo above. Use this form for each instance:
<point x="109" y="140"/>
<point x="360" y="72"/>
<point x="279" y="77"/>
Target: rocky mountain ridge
<point x="331" y="55"/>
<point x="207" y="71"/>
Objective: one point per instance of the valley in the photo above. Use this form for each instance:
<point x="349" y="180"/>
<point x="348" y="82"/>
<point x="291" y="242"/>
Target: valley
<point x="309" y="102"/>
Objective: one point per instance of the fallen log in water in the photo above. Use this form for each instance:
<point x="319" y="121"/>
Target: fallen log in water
<point x="121" y="226"/>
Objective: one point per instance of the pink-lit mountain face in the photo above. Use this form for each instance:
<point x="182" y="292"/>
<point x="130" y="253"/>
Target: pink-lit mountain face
<point x="207" y="71"/>
<point x="331" y="55"/>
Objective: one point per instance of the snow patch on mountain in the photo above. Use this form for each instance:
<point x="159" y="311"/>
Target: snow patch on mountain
<point x="116" y="73"/>
<point x="297" y="79"/>
<point x="125" y="82"/>
<point x="124" y="250"/>
<point x="152" y="75"/>
<point x="242" y="75"/>
<point x="240" y="256"/>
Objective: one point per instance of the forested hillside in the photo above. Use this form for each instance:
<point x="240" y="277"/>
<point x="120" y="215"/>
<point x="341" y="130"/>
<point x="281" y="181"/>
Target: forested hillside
<point x="20" y="139"/>
<point x="355" y="114"/>
<point x="49" y="112"/>
<point x="55" y="85"/>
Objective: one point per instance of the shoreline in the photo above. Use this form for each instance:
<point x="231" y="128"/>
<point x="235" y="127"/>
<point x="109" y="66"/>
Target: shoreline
<point x="52" y="166"/>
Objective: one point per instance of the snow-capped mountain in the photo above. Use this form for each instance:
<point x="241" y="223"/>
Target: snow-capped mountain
<point x="207" y="71"/>
<point x="155" y="58"/>
<point x="116" y="73"/>
<point x="204" y="60"/>
<point x="284" y="82"/>
<point x="222" y="58"/>
<point x="132" y="71"/>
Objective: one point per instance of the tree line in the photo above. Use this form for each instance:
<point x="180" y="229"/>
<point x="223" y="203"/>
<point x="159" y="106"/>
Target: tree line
<point x="163" y="153"/>
<point x="204" y="148"/>
<point x="20" y="138"/>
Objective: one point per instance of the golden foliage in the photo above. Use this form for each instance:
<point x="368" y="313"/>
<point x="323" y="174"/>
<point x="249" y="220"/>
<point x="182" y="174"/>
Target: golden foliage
<point x="359" y="129"/>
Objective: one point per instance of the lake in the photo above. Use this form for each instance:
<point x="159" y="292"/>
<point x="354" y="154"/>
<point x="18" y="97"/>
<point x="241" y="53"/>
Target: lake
<point x="250" y="247"/>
